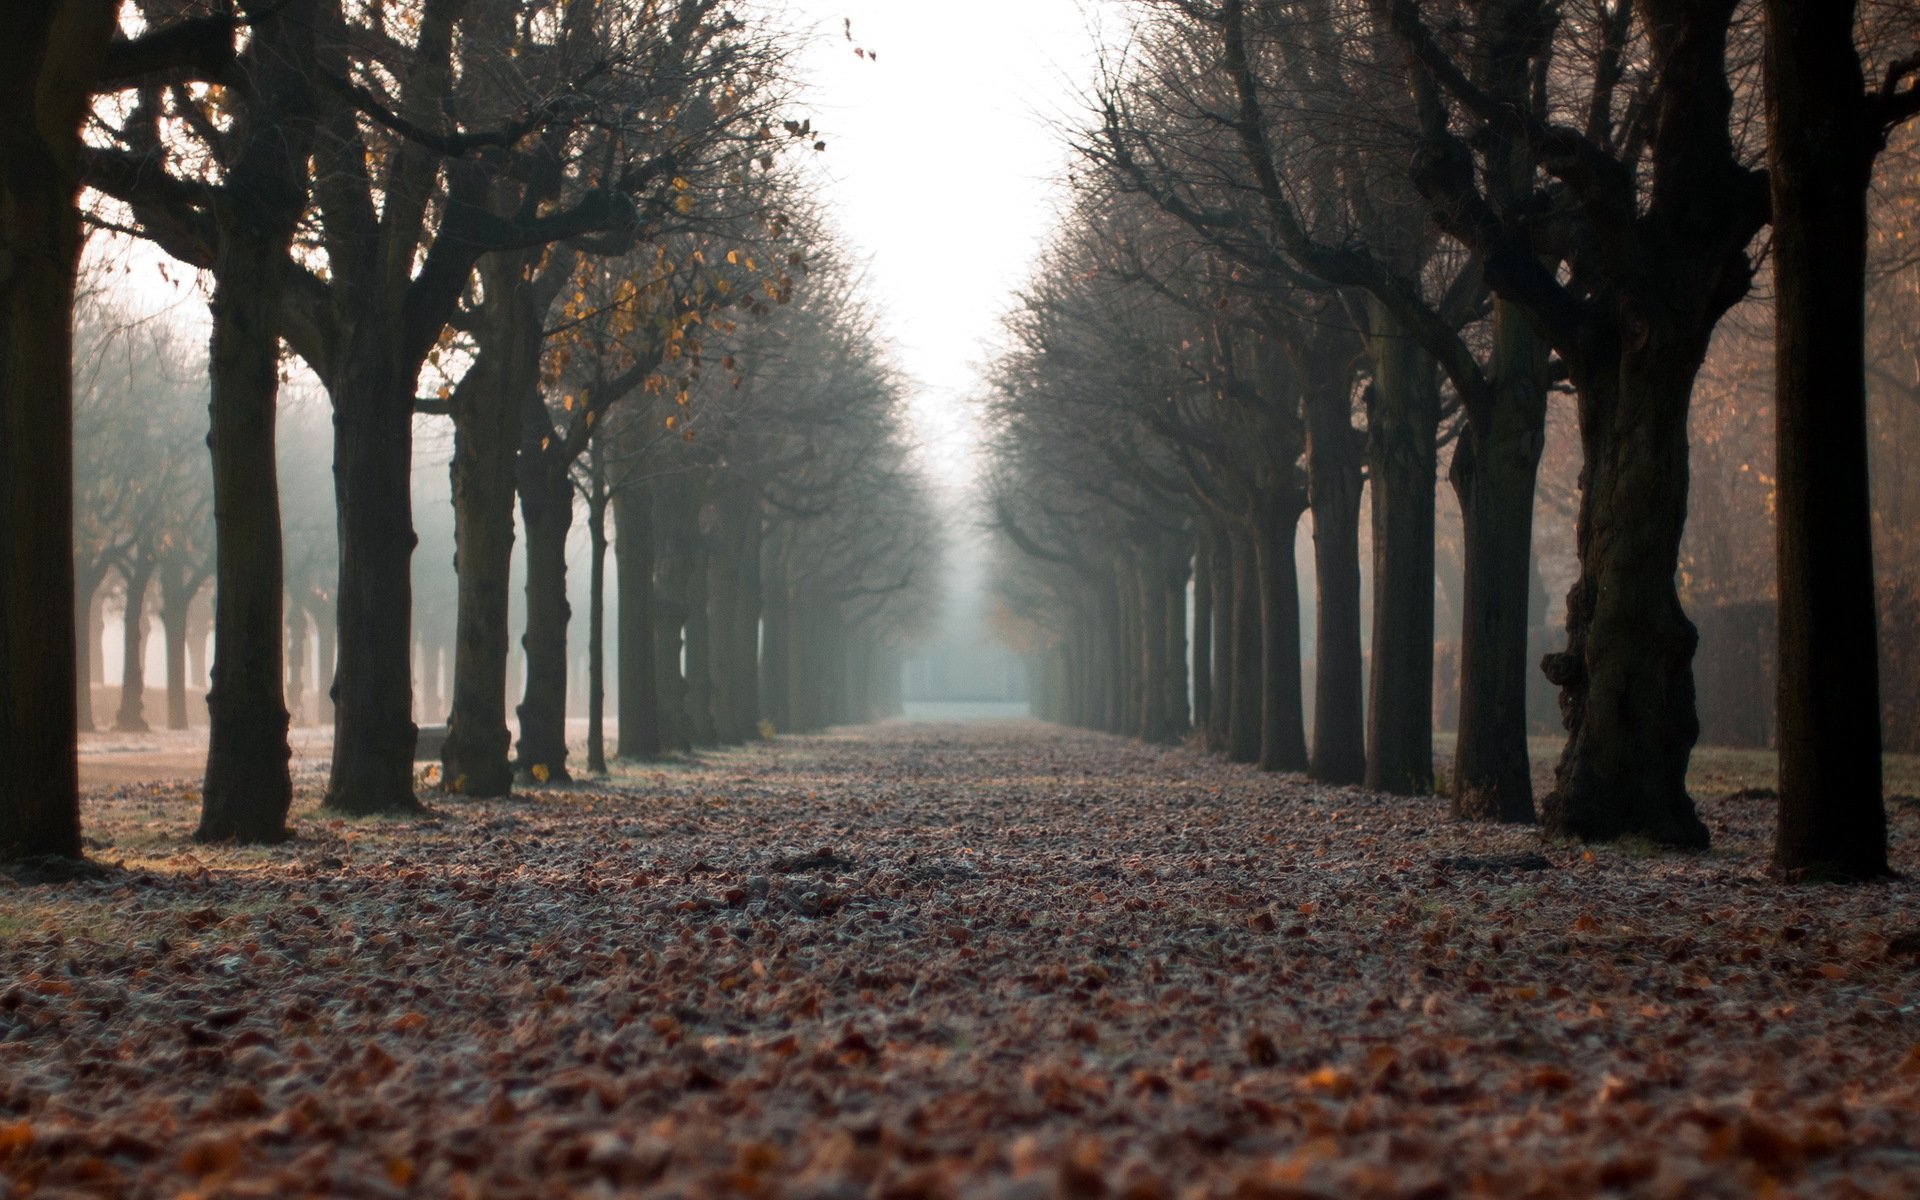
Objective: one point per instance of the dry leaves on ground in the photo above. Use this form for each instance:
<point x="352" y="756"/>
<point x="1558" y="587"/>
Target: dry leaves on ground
<point x="931" y="961"/>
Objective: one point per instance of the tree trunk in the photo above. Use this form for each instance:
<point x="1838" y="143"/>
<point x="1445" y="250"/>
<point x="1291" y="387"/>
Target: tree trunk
<point x="374" y="733"/>
<point x="1493" y="474"/>
<point x="745" y="627"/>
<point x="1283" y="738"/>
<point x="86" y="657"/>
<point x="675" y="592"/>
<point x="1626" y="676"/>
<point x="248" y="789"/>
<point x="734" y="608"/>
<point x="133" y="664"/>
<point x="1219" y="724"/>
<point x="199" y="625"/>
<point x="777" y="655"/>
<point x="296" y="686"/>
<point x="47" y="63"/>
<point x="1202" y="669"/>
<point x="1402" y="425"/>
<point x="1109" y="653"/>
<point x="633" y="563"/>
<point x="487" y="416"/>
<point x="546" y="509"/>
<point x="1333" y="466"/>
<point x="1832" y="817"/>
<point x="699" y="649"/>
<point x="1173" y="586"/>
<point x="326" y="663"/>
<point x="1245" y="713"/>
<point x="597" y="611"/>
<point x="1150" y="653"/>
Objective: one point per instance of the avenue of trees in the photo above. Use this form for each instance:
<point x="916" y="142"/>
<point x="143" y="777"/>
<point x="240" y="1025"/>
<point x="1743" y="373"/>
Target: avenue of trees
<point x="564" y="227"/>
<point x="1313" y="251"/>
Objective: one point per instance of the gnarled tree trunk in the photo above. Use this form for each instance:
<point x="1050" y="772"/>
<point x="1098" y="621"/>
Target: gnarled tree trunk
<point x="1626" y="676"/>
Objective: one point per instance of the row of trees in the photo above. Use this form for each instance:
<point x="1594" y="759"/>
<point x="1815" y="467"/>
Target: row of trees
<point x="541" y="219"/>
<point x="142" y="519"/>
<point x="1319" y="245"/>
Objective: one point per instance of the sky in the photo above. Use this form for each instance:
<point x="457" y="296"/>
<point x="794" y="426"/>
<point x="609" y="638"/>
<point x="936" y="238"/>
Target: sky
<point x="943" y="166"/>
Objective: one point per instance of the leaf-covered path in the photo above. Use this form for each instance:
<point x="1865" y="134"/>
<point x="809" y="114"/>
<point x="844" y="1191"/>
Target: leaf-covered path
<point x="921" y="960"/>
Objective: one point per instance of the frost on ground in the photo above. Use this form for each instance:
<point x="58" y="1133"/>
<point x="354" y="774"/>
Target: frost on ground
<point x="929" y="961"/>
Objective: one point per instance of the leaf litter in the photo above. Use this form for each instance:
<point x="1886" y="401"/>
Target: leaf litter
<point x="950" y="961"/>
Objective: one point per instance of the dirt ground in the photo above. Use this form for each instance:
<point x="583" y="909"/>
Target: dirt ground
<point x="941" y="960"/>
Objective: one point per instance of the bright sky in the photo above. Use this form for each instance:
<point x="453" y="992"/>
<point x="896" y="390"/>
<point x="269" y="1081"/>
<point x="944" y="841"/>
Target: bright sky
<point x="943" y="167"/>
<point x="944" y="162"/>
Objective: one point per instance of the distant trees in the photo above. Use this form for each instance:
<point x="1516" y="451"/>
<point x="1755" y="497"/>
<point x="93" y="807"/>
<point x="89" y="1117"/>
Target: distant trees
<point x="142" y="494"/>
<point x="1419" y="217"/>
<point x="392" y="191"/>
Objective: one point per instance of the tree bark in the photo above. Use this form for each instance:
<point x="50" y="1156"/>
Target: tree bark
<point x="133" y="663"/>
<point x="326" y="663"/>
<point x="488" y="412"/>
<point x="296" y="688"/>
<point x="777" y="654"/>
<point x="86" y="646"/>
<point x="374" y="733"/>
<point x="546" y="509"/>
<point x="47" y="63"/>
<point x="1494" y="472"/>
<point x="1245" y="688"/>
<point x="1832" y="822"/>
<point x="1338" y="753"/>
<point x="676" y="591"/>
<point x="1173" y="587"/>
<point x="1150" y="652"/>
<point x="1225" y="633"/>
<point x="1202" y="670"/>
<point x="1402" y="424"/>
<point x="597" y="500"/>
<point x="248" y="789"/>
<point x="699" y="648"/>
<point x="633" y="563"/>
<point x="1626" y="676"/>
<point x="734" y="591"/>
<point x="1283" y="739"/>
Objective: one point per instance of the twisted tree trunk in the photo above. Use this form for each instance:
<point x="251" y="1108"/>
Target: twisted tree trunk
<point x="1626" y="676"/>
